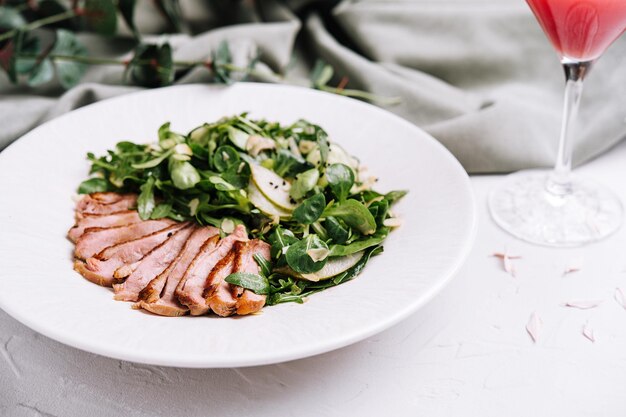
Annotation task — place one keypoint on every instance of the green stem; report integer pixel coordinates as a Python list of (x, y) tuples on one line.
[(361, 94), (39, 23)]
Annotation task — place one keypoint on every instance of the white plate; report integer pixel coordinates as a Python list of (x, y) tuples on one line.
[(40, 172)]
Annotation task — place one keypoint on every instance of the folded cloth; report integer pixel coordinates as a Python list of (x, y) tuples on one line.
[(480, 77)]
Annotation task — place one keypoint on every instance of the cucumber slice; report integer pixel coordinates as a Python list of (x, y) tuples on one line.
[(273, 187)]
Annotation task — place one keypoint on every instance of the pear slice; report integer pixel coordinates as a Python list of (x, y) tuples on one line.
[(264, 205), (272, 186), (334, 266)]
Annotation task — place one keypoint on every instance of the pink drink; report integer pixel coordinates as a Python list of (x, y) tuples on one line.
[(580, 30)]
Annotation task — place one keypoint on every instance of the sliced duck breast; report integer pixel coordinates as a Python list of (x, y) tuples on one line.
[(159, 296), (101, 268), (190, 291), (152, 265), (226, 299), (105, 203), (95, 240), (218, 293), (122, 218), (249, 302)]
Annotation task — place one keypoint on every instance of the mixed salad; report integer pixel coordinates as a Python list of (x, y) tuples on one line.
[(289, 185)]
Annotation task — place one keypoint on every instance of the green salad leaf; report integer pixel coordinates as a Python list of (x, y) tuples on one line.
[(289, 185)]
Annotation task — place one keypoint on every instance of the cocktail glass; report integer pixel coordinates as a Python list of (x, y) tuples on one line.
[(558, 208)]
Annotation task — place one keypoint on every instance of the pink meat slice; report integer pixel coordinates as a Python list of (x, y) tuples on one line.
[(101, 268), (105, 203), (95, 240), (226, 299), (190, 291), (152, 265), (122, 218), (218, 294), (159, 296), (249, 302)]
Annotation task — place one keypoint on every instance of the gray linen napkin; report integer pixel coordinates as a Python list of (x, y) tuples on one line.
[(479, 76)]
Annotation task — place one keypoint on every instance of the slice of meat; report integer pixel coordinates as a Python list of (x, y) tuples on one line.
[(95, 240), (122, 218), (249, 302), (152, 265), (218, 294), (226, 299), (190, 291), (105, 203), (100, 268), (159, 295)]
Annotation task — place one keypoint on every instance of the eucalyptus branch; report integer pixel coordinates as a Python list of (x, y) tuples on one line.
[(39, 23)]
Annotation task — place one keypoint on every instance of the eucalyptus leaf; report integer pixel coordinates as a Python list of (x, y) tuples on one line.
[(221, 58), (41, 74), (101, 16), (127, 10), (322, 73), (69, 72), (172, 12), (152, 65), (10, 19)]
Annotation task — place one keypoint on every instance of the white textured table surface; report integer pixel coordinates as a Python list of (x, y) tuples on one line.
[(467, 353)]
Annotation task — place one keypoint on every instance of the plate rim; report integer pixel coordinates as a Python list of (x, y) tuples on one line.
[(319, 348)]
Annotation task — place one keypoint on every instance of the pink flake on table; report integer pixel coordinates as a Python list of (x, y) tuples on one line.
[(620, 297), (507, 265), (570, 270), (533, 327), (583, 304), (588, 333)]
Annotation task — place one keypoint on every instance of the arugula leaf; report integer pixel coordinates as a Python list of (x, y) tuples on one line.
[(394, 196), (160, 211), (93, 185), (225, 157), (310, 210), (287, 165), (265, 266), (354, 214), (340, 179), (184, 175), (359, 245), (305, 182), (298, 255), (338, 232), (145, 201), (253, 282)]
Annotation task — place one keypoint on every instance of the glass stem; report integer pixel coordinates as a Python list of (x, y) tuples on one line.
[(559, 182)]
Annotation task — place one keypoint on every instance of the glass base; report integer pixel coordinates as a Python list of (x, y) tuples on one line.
[(524, 207)]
